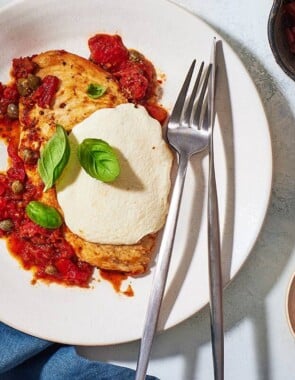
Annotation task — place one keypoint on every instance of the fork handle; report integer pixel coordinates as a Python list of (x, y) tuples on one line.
[(215, 275), (161, 271)]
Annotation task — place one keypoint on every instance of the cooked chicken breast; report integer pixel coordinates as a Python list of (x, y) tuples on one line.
[(70, 106), (71, 102)]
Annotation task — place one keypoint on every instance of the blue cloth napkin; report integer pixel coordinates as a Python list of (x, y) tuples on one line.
[(24, 357)]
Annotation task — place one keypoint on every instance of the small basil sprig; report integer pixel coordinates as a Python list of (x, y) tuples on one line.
[(98, 159), (95, 91), (54, 157), (44, 215)]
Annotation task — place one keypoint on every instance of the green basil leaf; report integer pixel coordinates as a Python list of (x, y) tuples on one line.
[(99, 160), (44, 215), (95, 91), (54, 157)]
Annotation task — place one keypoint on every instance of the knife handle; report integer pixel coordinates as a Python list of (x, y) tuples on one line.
[(215, 275)]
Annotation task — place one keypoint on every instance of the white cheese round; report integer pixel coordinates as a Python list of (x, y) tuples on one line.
[(136, 203)]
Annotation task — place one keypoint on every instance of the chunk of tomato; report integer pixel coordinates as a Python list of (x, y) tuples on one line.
[(157, 112), (23, 66), (133, 82), (108, 50), (45, 93)]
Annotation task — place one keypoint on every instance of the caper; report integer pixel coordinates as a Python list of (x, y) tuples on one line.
[(6, 225), (29, 156), (17, 186), (50, 269), (135, 56), (23, 87), (12, 111), (34, 81)]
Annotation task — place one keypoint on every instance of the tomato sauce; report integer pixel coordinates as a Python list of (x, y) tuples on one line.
[(41, 250), (136, 75), (45, 251), (117, 279)]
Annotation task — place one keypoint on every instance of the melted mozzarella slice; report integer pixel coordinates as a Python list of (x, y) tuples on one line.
[(136, 203)]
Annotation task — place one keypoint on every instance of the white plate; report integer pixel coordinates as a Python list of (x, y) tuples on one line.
[(171, 38)]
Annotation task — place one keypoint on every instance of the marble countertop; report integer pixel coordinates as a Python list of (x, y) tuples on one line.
[(258, 342)]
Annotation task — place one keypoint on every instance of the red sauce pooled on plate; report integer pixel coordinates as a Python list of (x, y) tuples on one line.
[(116, 279)]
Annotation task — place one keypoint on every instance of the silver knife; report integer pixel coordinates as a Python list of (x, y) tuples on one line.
[(214, 251)]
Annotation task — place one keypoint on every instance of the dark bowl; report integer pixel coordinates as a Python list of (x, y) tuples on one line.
[(277, 39), (290, 305)]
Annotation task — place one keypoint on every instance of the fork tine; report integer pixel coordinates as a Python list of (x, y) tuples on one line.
[(199, 108), (189, 108), (178, 107)]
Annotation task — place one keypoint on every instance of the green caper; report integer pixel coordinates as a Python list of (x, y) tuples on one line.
[(33, 81), (12, 111), (135, 56), (6, 225), (50, 269), (23, 87), (17, 187), (29, 156)]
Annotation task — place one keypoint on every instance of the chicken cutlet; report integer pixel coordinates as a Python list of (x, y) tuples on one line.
[(70, 106)]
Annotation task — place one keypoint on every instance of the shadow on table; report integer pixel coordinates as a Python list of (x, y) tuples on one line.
[(245, 297)]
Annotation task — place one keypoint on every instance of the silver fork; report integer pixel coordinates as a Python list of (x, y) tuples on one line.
[(188, 136)]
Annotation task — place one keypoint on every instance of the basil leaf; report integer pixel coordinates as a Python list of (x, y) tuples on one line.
[(44, 215), (98, 159), (95, 91), (54, 157)]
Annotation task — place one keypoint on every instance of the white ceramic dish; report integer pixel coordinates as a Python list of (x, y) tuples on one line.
[(170, 37)]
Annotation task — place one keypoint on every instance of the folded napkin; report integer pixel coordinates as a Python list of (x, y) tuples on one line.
[(24, 357)]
